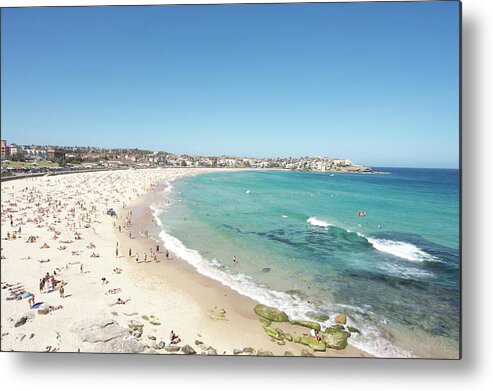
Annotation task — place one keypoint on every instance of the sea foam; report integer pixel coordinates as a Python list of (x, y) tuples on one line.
[(369, 340), (243, 284), (399, 249), (317, 222), (402, 250)]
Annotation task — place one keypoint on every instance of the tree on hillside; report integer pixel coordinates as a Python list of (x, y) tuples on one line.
[(18, 157)]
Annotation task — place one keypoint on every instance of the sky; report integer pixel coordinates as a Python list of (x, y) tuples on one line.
[(376, 83)]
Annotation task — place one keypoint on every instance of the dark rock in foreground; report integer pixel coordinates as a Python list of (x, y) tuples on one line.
[(187, 349), (264, 353), (107, 336)]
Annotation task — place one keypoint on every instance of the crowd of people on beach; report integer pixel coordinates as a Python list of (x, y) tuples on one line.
[(55, 216)]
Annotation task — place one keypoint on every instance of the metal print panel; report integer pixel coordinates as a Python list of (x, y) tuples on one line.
[(266, 180)]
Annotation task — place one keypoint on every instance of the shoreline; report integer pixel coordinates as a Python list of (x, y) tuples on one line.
[(163, 296), (211, 293)]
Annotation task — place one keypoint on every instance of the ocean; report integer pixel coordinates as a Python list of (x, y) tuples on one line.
[(303, 245)]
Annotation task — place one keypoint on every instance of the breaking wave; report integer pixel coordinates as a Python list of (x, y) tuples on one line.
[(399, 249)]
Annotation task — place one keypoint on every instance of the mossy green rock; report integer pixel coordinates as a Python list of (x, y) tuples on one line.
[(216, 314), (272, 332), (317, 346), (317, 317), (270, 313), (335, 330), (288, 336), (297, 339), (264, 322), (306, 323), (335, 339), (335, 327), (306, 353), (288, 353), (353, 330)]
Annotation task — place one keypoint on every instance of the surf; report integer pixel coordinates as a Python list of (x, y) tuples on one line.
[(403, 250)]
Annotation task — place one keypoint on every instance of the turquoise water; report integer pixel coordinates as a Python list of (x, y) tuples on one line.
[(301, 246)]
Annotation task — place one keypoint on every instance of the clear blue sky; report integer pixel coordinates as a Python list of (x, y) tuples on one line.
[(377, 83)]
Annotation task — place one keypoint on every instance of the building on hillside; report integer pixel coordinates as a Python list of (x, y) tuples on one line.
[(15, 149), (54, 154), (342, 162), (5, 149), (35, 152)]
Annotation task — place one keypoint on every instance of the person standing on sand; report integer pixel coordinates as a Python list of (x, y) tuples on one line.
[(145, 257), (137, 257), (81, 268), (167, 254), (157, 248), (130, 252), (62, 291), (116, 252)]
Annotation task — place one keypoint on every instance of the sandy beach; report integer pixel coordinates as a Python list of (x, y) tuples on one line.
[(100, 284)]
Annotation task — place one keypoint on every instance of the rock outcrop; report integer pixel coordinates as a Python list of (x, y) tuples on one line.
[(306, 323), (317, 346), (335, 338), (187, 349), (275, 333), (270, 313), (341, 319), (107, 336)]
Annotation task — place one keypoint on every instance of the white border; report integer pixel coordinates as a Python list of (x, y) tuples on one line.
[(474, 372)]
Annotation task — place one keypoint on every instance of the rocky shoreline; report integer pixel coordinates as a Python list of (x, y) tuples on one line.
[(333, 337)]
